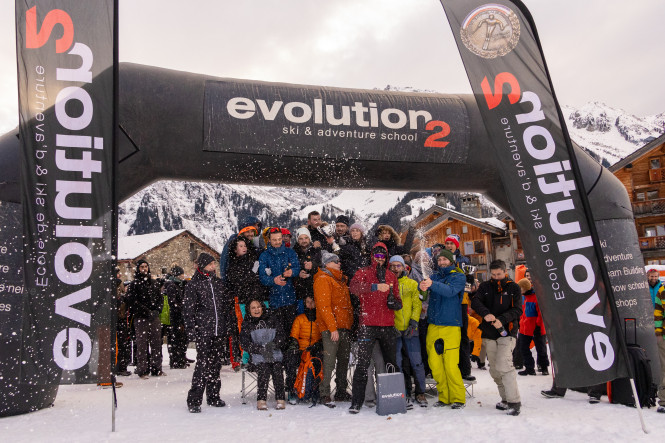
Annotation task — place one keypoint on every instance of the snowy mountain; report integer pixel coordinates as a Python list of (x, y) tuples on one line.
[(213, 211)]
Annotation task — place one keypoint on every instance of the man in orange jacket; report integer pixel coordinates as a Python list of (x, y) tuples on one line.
[(334, 318)]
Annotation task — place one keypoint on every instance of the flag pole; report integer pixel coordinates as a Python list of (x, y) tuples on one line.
[(639, 406)]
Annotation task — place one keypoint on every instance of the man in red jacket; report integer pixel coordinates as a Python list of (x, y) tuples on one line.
[(378, 291)]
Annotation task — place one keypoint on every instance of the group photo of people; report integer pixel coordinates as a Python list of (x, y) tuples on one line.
[(317, 315)]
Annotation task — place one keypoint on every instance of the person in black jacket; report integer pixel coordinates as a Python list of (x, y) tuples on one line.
[(174, 288), (262, 336), (499, 302), (310, 259), (206, 324), (242, 282), (145, 303)]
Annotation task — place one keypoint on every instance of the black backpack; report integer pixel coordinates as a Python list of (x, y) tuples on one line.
[(620, 390)]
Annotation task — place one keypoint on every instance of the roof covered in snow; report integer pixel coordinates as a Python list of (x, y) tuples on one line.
[(135, 245)]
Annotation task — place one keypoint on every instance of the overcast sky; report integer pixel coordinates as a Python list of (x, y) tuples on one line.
[(596, 50)]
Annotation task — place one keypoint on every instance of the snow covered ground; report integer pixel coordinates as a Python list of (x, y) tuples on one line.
[(155, 410)]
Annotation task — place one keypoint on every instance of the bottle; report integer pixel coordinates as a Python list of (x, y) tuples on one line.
[(502, 331)]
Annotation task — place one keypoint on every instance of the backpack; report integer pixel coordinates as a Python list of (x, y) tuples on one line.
[(307, 380), (620, 390)]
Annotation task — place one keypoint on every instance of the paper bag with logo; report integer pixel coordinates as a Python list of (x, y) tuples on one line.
[(390, 398)]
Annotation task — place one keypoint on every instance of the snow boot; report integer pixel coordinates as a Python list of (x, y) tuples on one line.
[(468, 377), (281, 404), (458, 405), (354, 409), (551, 394), (544, 371), (661, 409), (440, 404), (502, 405), (514, 409), (327, 401), (421, 400), (217, 403), (527, 371), (594, 400), (194, 409), (409, 404), (261, 405)]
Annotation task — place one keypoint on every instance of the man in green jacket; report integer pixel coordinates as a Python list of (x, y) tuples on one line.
[(406, 322)]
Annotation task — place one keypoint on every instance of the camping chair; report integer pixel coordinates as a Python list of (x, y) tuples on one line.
[(249, 382), (430, 387)]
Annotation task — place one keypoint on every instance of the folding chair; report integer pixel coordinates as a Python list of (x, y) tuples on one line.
[(430, 388), (249, 383)]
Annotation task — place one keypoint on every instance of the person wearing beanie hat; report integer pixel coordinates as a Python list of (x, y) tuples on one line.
[(343, 219), (498, 302), (355, 254), (406, 322), (327, 257), (335, 319), (206, 323), (145, 303), (452, 243), (249, 228), (174, 289), (532, 328), (303, 231), (342, 229), (444, 291), (378, 292)]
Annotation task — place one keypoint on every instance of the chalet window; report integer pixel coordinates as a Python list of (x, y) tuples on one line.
[(652, 195), (654, 163), (650, 231), (640, 196), (660, 230), (449, 231), (662, 262), (653, 262), (465, 229), (192, 251), (479, 246)]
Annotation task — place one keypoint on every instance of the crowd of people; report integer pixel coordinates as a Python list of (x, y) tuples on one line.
[(284, 304)]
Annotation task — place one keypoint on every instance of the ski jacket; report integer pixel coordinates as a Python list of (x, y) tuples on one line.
[(305, 286), (205, 307), (658, 312), (257, 332), (242, 280), (411, 303), (333, 302), (353, 256), (374, 303), (501, 298), (654, 290), (273, 262), (306, 331), (445, 297), (531, 316), (143, 296)]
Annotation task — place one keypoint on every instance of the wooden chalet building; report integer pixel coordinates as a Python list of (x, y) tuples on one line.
[(161, 250), (481, 239), (643, 175)]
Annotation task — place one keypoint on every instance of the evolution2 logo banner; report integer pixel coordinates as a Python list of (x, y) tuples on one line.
[(303, 121), (65, 61), (507, 72)]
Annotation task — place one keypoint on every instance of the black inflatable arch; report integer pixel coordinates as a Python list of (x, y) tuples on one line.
[(169, 128)]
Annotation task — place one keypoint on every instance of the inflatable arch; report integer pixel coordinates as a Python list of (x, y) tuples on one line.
[(177, 125)]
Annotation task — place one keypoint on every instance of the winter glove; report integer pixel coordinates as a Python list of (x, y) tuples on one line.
[(293, 345), (393, 303), (412, 329), (268, 352)]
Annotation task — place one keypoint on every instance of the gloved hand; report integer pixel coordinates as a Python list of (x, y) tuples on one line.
[(268, 352), (293, 345), (393, 303), (412, 329)]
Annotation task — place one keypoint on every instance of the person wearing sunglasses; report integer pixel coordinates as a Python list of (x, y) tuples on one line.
[(378, 291)]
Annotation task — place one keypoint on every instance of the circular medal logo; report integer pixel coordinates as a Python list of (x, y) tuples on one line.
[(491, 31)]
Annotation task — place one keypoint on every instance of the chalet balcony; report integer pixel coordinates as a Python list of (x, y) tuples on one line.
[(650, 243), (477, 260), (649, 207)]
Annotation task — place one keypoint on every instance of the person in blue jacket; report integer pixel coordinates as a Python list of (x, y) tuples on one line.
[(278, 266), (445, 289)]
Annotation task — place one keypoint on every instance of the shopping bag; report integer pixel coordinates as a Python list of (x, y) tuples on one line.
[(390, 398)]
